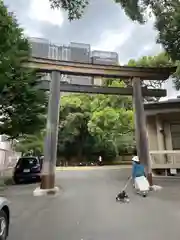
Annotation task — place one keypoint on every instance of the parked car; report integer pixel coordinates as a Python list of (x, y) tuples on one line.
[(4, 218), (27, 169)]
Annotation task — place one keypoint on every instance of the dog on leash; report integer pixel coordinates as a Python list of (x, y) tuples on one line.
[(122, 197)]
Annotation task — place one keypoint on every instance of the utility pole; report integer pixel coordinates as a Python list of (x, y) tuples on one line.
[(140, 128), (50, 145)]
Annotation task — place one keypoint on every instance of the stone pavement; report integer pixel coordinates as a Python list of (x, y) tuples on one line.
[(85, 209)]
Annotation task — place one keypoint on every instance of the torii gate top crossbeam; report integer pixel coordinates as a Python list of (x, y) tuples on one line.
[(86, 69)]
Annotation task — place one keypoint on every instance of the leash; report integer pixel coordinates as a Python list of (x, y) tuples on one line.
[(129, 178)]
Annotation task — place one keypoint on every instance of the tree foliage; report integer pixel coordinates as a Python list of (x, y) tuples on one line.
[(112, 116), (75, 8), (93, 125), (33, 144), (160, 60), (73, 131), (166, 14), (22, 105)]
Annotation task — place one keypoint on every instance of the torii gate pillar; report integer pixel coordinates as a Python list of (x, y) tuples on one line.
[(142, 143), (50, 147)]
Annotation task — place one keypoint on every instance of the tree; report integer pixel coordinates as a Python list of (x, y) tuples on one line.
[(160, 60), (111, 124), (112, 118), (31, 143), (73, 131), (22, 105), (167, 15)]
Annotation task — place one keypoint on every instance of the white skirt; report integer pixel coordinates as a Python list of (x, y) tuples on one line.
[(141, 184)]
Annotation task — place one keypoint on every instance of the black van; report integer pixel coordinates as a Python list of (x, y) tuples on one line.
[(27, 169)]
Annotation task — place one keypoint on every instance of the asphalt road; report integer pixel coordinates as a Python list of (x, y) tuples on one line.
[(85, 209)]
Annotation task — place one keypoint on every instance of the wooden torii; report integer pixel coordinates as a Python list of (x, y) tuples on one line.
[(135, 74)]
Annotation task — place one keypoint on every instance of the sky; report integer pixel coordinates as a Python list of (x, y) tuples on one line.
[(104, 25)]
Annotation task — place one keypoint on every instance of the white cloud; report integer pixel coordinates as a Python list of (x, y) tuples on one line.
[(146, 49), (32, 33), (40, 10), (171, 92), (111, 40)]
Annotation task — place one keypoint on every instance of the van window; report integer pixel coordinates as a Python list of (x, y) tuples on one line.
[(27, 162)]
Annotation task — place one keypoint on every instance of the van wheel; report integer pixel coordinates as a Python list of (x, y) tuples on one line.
[(3, 225)]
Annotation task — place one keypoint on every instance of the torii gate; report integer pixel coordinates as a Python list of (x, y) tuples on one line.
[(136, 74)]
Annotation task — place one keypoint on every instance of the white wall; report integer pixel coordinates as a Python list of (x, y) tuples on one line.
[(171, 91)]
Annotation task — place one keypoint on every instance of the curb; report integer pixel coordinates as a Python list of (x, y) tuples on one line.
[(92, 168), (166, 178)]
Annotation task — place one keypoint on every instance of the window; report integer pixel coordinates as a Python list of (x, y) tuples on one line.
[(27, 162)]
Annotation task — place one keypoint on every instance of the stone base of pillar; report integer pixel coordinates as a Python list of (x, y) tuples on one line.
[(44, 192), (47, 181), (47, 186), (155, 188)]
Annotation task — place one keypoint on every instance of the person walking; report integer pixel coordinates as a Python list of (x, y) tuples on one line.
[(100, 161), (138, 174)]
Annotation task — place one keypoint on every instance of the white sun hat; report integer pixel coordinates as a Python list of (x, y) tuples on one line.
[(135, 159)]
